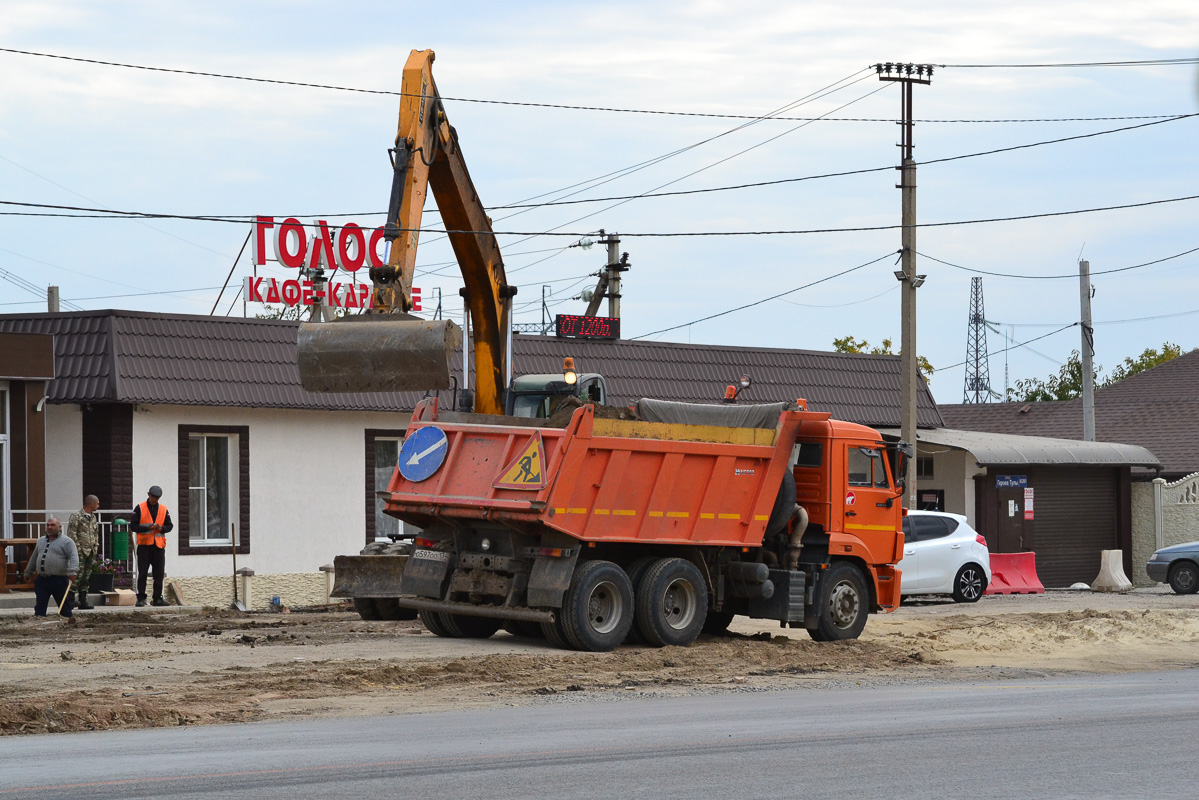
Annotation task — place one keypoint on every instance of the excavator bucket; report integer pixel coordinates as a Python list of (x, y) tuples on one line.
[(368, 576), (377, 354)]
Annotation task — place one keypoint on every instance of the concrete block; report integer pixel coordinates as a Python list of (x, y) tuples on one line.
[(1111, 573)]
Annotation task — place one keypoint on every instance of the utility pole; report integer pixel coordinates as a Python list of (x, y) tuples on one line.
[(609, 282), (1087, 350), (907, 75)]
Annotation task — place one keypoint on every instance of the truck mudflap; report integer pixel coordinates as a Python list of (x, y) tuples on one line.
[(472, 610), (368, 576), (887, 582)]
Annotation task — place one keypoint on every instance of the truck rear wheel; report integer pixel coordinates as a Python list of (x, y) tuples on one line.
[(365, 606), (843, 604), (436, 623), (389, 608), (464, 626), (636, 572), (672, 603), (597, 610), (519, 627)]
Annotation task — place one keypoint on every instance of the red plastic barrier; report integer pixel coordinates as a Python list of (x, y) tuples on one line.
[(1014, 573)]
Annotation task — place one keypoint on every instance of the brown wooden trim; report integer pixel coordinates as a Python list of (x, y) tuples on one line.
[(243, 468), (26, 356), (369, 448), (107, 459)]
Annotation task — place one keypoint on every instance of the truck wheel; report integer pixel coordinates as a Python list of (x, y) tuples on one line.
[(597, 610), (717, 622), (553, 633), (436, 623), (843, 604), (365, 606), (636, 572), (389, 608), (672, 603), (464, 626), (519, 627)]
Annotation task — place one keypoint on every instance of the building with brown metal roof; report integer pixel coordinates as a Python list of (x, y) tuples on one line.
[(211, 409)]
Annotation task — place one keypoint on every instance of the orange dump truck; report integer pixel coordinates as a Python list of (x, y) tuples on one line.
[(610, 530)]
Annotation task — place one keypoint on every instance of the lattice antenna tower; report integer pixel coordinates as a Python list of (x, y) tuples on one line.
[(978, 373)]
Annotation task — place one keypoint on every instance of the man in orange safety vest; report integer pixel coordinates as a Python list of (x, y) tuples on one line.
[(151, 523)]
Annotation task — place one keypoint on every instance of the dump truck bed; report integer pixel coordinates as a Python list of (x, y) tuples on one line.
[(600, 480)]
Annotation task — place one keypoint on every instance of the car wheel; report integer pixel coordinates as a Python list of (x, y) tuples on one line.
[(672, 603), (969, 584), (843, 604), (1184, 577)]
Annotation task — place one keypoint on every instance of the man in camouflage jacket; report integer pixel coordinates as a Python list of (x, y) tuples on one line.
[(83, 528)]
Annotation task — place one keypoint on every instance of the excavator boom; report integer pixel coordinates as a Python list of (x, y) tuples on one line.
[(391, 350)]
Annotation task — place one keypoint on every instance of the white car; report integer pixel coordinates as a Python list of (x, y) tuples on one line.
[(942, 554)]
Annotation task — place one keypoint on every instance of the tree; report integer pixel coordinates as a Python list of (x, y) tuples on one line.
[(1148, 359), (849, 344), (1065, 385)]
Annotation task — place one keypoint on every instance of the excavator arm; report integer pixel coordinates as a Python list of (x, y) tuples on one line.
[(393, 350)]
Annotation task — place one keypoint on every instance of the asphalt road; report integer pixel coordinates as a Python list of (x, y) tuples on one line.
[(1126, 735)]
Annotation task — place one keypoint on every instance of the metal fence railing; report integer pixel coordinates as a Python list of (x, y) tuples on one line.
[(30, 523)]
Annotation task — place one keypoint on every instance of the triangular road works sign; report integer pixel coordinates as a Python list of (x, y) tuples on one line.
[(527, 470)]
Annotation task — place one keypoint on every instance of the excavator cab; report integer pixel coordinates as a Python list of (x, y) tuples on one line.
[(539, 396)]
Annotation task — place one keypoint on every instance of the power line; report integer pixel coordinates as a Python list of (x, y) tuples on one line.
[(569, 107), (680, 234), (766, 299), (1153, 62), (644, 195), (847, 172), (1063, 275), (1013, 347)]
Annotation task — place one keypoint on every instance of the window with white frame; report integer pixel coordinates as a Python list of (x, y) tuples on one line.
[(213, 487)]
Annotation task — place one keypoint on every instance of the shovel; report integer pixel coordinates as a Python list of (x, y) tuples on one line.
[(65, 596), (238, 605)]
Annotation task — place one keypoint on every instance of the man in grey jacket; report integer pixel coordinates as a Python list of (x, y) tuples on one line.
[(55, 561)]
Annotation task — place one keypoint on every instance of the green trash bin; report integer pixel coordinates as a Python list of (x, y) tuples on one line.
[(120, 540)]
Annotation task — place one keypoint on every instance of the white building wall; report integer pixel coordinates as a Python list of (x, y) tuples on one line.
[(953, 471), (307, 472), (64, 458)]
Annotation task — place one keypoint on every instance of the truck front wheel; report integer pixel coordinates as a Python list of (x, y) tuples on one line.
[(597, 610), (843, 604), (672, 603)]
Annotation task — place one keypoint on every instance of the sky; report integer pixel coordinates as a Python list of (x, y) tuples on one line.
[(106, 137)]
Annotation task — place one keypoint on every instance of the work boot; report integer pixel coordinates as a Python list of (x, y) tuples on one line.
[(83, 604), (141, 602), (158, 601)]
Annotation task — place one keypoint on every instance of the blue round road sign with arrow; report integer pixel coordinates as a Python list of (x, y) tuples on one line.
[(423, 453)]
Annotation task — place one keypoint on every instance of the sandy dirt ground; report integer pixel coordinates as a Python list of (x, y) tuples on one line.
[(127, 670)]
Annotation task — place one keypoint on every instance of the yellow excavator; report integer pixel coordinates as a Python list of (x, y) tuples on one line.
[(388, 349)]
